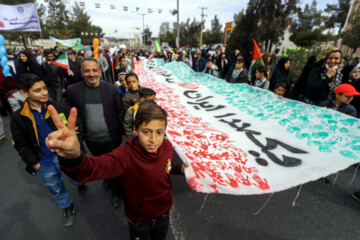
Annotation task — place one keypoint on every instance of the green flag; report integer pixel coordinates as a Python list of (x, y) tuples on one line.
[(158, 48)]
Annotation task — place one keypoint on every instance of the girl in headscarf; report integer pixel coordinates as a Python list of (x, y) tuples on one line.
[(28, 64), (281, 75)]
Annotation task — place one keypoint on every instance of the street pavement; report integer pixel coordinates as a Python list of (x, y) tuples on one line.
[(27, 210)]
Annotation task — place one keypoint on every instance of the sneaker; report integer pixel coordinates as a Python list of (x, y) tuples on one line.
[(356, 196), (69, 215), (82, 189), (116, 201)]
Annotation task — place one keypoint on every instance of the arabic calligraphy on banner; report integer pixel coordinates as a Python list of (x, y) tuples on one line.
[(243, 140)]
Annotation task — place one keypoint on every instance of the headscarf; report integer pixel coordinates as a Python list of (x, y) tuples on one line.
[(30, 66)]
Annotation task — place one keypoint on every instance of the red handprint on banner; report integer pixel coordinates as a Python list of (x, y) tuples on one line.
[(262, 184)]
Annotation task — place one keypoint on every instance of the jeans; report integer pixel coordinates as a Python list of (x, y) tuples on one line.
[(150, 230), (52, 178)]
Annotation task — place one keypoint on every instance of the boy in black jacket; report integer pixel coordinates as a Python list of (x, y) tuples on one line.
[(30, 126)]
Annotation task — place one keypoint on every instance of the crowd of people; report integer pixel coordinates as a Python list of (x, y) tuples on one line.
[(100, 103)]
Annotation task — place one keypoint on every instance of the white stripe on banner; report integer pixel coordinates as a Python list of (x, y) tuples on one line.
[(240, 139)]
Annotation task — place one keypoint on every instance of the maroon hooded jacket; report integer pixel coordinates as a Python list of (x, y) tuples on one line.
[(143, 176)]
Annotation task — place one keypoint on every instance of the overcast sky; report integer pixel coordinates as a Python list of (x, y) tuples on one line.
[(111, 19)]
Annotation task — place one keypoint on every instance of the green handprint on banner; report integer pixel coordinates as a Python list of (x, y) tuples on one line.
[(349, 121), (349, 154), (355, 147), (322, 135)]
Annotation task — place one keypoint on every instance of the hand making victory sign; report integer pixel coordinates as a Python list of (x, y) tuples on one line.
[(64, 141)]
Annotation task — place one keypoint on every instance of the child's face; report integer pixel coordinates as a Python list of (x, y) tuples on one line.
[(151, 135), (279, 91), (343, 99), (123, 82), (37, 93), (123, 62), (257, 74), (133, 83), (239, 65)]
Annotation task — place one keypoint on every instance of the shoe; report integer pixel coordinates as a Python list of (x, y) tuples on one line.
[(69, 215), (116, 201), (2, 140), (106, 186), (82, 189), (356, 196)]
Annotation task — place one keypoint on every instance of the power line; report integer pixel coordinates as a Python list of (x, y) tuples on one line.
[(202, 23)]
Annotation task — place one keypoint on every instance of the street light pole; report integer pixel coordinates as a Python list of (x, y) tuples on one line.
[(178, 25)]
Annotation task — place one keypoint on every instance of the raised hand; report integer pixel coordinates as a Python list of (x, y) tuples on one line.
[(64, 141)]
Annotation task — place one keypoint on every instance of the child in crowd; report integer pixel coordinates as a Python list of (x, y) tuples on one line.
[(280, 89), (129, 119), (238, 74), (30, 126), (261, 75), (211, 68), (344, 94), (141, 167), (13, 96), (187, 61), (132, 96), (121, 84)]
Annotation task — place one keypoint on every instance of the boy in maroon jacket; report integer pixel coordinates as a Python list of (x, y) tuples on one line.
[(142, 167)]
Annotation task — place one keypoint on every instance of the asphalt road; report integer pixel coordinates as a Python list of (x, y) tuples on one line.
[(27, 210)]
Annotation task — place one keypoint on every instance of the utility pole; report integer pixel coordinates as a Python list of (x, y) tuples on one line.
[(352, 3), (202, 24), (142, 14), (178, 26)]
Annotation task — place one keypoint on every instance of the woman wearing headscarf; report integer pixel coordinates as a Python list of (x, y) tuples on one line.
[(352, 76), (281, 75), (323, 80), (28, 64)]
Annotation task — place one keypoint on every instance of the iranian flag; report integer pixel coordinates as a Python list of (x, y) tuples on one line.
[(82, 4), (132, 57), (112, 7), (150, 10), (256, 58), (64, 1), (97, 5), (62, 61), (46, 0), (152, 55), (137, 9), (175, 56), (125, 8), (160, 10)]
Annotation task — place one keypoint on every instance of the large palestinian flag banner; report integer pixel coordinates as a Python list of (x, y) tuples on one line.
[(239, 139)]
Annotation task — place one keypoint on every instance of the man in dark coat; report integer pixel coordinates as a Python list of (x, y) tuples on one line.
[(100, 108)]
